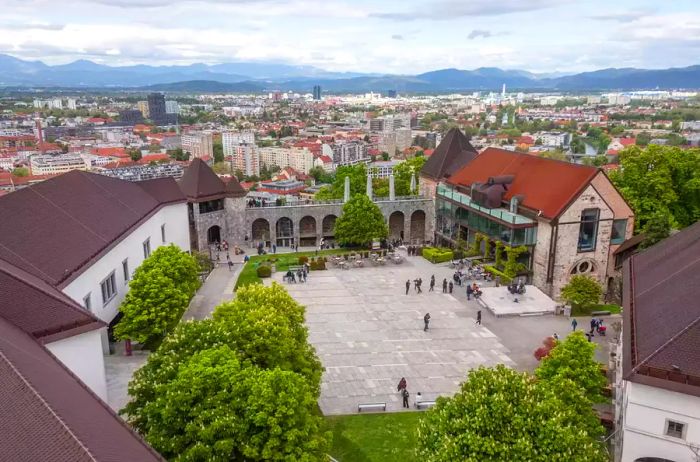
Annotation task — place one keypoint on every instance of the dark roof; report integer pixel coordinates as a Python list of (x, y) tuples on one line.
[(55, 228), (234, 188), (48, 414), (199, 183), (630, 244), (453, 153), (662, 314), (546, 185), (39, 309), (164, 190)]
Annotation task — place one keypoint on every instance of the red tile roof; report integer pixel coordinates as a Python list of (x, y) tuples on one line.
[(662, 314), (110, 152), (547, 185)]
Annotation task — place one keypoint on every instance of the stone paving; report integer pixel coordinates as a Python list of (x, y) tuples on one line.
[(369, 334)]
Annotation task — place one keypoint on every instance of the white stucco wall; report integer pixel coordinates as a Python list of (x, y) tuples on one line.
[(646, 410), (131, 247), (82, 354)]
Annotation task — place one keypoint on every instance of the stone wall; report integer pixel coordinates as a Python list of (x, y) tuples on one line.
[(540, 257)]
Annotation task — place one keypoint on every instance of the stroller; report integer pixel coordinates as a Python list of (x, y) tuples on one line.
[(600, 328)]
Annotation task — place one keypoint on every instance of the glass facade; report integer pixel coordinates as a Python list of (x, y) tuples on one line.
[(211, 206), (588, 230), (452, 220)]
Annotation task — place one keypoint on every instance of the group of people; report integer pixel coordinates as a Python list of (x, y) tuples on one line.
[(300, 275), (413, 250), (473, 290), (402, 388)]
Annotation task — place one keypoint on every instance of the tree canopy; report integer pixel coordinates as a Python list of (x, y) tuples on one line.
[(500, 414), (581, 291), (660, 179), (177, 265), (360, 223), (240, 386)]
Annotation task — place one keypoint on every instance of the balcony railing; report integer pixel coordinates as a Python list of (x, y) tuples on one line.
[(272, 204), (499, 213)]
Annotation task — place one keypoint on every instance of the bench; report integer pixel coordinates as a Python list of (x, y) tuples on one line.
[(371, 406), (424, 404), (600, 313)]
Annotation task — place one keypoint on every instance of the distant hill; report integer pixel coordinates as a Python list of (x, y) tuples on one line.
[(259, 76)]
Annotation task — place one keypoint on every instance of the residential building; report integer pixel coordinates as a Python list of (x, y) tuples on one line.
[(198, 144), (383, 169), (143, 108), (404, 139), (387, 143), (554, 139), (230, 139), (349, 153), (299, 159), (132, 116), (171, 107), (55, 164), (317, 93), (145, 172), (657, 392), (244, 157), (283, 187), (71, 104), (570, 217)]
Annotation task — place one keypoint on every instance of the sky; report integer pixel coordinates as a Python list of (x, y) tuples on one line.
[(385, 36)]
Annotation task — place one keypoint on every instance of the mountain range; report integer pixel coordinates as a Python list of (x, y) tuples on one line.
[(258, 77)]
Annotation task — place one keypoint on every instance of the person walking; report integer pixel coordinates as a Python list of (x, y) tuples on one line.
[(405, 395), (450, 286), (478, 317), (444, 286), (274, 248), (230, 265), (415, 285), (420, 283), (470, 291), (408, 285), (426, 320), (402, 384), (432, 283), (593, 326), (574, 323)]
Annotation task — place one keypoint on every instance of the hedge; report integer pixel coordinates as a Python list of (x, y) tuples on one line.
[(437, 254), (303, 259), (319, 264), (504, 278), (264, 271)]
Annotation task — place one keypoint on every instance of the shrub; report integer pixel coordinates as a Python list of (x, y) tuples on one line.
[(318, 265), (437, 254), (264, 271), (547, 344), (504, 278), (303, 259)]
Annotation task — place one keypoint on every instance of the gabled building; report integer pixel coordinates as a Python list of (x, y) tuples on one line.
[(570, 217), (453, 153), (216, 210), (657, 394)]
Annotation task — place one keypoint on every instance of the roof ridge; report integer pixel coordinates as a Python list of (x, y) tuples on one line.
[(90, 179), (23, 259), (41, 399), (69, 302), (666, 343)]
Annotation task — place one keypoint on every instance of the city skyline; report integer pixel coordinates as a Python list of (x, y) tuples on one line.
[(343, 36)]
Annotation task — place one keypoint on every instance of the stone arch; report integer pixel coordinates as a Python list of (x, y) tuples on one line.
[(418, 226), (328, 226), (307, 231), (396, 225), (260, 230), (214, 234), (585, 266), (284, 230)]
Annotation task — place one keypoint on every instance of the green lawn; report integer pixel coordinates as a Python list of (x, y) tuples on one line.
[(586, 311), (374, 437), (283, 261)]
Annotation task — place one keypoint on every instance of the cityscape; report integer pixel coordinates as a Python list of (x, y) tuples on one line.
[(339, 252)]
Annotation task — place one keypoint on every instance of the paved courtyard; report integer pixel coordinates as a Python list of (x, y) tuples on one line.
[(369, 334)]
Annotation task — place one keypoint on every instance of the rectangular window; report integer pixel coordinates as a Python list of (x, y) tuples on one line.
[(675, 429), (147, 248), (588, 230), (87, 302), (125, 269), (618, 231), (162, 233), (109, 288)]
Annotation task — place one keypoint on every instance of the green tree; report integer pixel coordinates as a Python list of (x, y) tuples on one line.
[(500, 414), (358, 182), (574, 359), (179, 154), (179, 266), (153, 305), (21, 171), (661, 179), (656, 229), (385, 156), (321, 176), (218, 149), (403, 172), (360, 223), (217, 409), (582, 291), (135, 154)]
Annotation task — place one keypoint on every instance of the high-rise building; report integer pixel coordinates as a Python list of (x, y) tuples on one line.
[(349, 153), (317, 92), (403, 138), (72, 105), (391, 94), (143, 107), (171, 107), (230, 139), (198, 144), (245, 157), (156, 107), (301, 160)]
